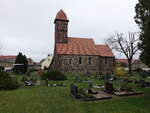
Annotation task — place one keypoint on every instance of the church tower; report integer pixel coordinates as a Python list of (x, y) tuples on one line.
[(61, 27)]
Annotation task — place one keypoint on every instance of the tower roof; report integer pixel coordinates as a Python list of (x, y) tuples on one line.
[(61, 15)]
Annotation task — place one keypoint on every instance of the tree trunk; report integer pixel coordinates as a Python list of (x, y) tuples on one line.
[(130, 66)]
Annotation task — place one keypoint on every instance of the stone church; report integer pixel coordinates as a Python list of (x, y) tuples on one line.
[(79, 55)]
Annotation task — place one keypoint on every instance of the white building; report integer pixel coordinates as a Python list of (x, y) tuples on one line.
[(45, 63)]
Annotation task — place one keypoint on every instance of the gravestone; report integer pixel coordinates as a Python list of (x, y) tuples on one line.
[(46, 82), (77, 79), (109, 87), (74, 90), (90, 84), (141, 83)]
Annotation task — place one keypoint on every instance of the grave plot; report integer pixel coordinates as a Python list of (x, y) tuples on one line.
[(125, 90), (96, 92), (127, 93), (88, 95), (143, 83), (100, 95)]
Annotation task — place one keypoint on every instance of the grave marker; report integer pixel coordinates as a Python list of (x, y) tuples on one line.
[(74, 90)]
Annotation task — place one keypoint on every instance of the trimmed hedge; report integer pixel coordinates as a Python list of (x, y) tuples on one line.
[(53, 75), (7, 82)]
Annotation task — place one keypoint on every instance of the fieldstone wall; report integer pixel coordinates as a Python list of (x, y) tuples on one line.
[(70, 64), (107, 67)]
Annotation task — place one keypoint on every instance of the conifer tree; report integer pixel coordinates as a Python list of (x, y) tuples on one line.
[(21, 64), (142, 18)]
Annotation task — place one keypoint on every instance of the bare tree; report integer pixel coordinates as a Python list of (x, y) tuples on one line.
[(127, 45)]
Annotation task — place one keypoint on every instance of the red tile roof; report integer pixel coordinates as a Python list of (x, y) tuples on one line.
[(82, 46), (77, 46), (125, 61), (61, 15), (104, 50), (7, 57)]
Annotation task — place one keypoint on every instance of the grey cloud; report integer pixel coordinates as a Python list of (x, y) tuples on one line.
[(27, 25)]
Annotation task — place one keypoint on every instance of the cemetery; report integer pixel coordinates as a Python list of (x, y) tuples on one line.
[(106, 91), (80, 92)]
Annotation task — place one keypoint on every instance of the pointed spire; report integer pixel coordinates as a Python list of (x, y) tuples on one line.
[(61, 15)]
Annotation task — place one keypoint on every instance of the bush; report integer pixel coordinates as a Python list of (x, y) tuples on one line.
[(33, 70), (125, 87), (54, 75), (1, 68), (7, 82), (120, 72)]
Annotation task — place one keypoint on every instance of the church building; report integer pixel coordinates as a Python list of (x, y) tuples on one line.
[(79, 55)]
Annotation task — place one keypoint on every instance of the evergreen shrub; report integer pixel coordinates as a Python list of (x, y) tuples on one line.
[(53, 75), (7, 82)]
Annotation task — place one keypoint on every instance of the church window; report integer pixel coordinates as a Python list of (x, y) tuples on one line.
[(90, 60), (70, 61), (80, 60), (106, 60)]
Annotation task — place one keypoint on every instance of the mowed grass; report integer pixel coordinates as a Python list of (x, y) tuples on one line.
[(42, 99)]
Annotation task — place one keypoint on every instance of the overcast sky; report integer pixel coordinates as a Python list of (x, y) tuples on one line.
[(27, 25)]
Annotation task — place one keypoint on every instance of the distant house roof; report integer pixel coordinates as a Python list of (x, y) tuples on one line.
[(30, 61), (83, 46), (3, 58), (8, 57), (125, 61), (41, 61), (136, 63)]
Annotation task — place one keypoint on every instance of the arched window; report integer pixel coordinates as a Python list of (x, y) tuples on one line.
[(70, 61), (90, 60), (106, 60), (80, 60)]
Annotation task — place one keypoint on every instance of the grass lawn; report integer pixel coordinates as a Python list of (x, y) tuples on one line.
[(42, 99)]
